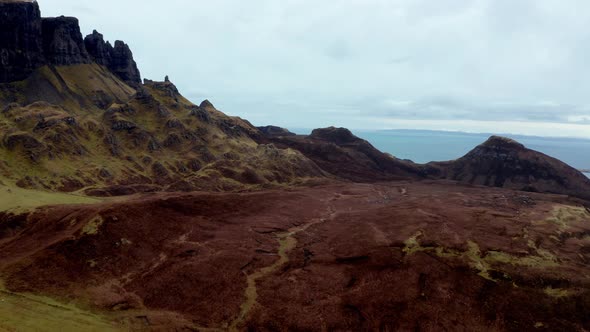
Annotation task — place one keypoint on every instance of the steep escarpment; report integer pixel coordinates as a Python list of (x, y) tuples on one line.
[(502, 162), (37, 56), (28, 42), (62, 41), (118, 59), (21, 41)]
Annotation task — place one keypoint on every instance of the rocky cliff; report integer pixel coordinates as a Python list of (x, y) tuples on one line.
[(118, 59), (100, 50), (21, 46), (28, 42), (62, 41)]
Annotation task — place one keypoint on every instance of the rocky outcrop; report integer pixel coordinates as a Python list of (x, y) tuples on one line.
[(336, 135), (21, 47), (118, 59), (100, 51), (275, 131), (207, 105), (28, 42), (166, 87), (503, 162), (62, 41), (123, 65)]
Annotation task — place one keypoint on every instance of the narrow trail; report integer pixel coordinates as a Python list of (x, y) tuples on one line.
[(287, 242)]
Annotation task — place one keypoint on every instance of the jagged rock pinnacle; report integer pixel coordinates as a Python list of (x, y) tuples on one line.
[(206, 104), (28, 41)]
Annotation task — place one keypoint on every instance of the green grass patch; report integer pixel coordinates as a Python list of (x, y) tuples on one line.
[(411, 245), (483, 263), (27, 312), (92, 227), (15, 199), (564, 215), (557, 292)]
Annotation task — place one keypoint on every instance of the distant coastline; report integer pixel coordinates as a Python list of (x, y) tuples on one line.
[(423, 146), (307, 131), (468, 133)]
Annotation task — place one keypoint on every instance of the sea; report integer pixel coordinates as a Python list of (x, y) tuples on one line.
[(422, 146)]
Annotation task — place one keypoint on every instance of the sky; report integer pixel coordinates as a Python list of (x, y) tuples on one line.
[(495, 66)]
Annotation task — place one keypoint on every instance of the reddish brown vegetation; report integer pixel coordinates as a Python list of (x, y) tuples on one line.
[(397, 256)]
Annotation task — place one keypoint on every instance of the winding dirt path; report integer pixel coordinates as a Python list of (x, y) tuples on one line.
[(287, 242)]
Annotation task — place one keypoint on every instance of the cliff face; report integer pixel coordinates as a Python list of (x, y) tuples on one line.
[(123, 65), (28, 41), (20, 40), (62, 41), (100, 51), (118, 59)]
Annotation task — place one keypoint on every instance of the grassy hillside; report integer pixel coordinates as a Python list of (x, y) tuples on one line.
[(80, 128), (25, 312)]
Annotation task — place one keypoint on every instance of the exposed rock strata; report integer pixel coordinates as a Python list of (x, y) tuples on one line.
[(62, 41), (21, 46), (118, 59), (28, 41)]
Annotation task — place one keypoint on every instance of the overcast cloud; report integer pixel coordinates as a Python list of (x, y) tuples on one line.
[(517, 66)]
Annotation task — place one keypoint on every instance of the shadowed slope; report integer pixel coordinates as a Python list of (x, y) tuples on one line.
[(340, 153), (78, 88), (502, 162)]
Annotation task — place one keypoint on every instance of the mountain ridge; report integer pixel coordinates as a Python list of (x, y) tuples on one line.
[(82, 99)]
